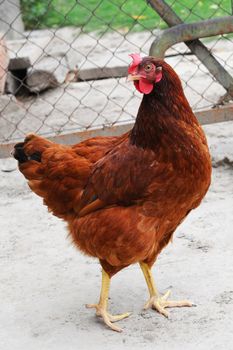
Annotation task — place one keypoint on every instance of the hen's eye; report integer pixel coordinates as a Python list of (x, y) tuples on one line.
[(148, 67)]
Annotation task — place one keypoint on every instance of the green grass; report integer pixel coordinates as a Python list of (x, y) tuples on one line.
[(103, 15)]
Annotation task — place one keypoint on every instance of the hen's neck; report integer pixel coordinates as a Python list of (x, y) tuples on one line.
[(158, 115)]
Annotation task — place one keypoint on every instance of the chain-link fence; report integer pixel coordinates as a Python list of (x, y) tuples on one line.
[(66, 71)]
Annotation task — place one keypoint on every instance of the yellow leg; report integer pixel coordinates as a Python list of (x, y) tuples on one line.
[(101, 307), (156, 301)]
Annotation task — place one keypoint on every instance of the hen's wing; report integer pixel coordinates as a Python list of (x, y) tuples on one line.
[(125, 176), (59, 173)]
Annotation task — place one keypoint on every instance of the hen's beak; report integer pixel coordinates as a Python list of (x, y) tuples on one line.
[(133, 77)]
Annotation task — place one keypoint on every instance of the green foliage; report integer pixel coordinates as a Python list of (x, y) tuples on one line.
[(114, 14), (33, 12)]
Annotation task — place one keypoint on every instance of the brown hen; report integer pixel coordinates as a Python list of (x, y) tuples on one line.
[(123, 197)]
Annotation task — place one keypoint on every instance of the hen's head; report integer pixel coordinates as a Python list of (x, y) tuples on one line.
[(145, 72)]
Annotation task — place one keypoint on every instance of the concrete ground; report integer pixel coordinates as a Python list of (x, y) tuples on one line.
[(45, 281)]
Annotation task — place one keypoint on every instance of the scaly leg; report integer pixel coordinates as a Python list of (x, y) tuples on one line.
[(101, 308), (156, 301)]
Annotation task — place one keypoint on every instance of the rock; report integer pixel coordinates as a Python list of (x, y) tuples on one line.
[(41, 80), (8, 165)]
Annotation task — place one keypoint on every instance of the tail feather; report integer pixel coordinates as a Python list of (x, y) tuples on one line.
[(59, 173), (31, 149), (29, 155), (19, 153), (54, 172)]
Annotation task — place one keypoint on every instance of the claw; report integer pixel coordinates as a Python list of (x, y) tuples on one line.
[(108, 318), (115, 318), (160, 303), (166, 295)]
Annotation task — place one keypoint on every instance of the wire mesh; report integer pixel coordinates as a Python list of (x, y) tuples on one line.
[(66, 38)]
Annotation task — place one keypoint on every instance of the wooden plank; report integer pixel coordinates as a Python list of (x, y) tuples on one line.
[(102, 73), (215, 115), (210, 116)]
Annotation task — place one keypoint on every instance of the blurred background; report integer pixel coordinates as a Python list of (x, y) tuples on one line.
[(63, 63)]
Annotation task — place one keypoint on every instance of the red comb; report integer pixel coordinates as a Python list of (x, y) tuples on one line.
[(136, 61)]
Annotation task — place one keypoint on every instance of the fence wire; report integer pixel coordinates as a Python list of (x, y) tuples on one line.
[(49, 97)]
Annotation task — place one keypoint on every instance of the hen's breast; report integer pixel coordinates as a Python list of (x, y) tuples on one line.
[(184, 179)]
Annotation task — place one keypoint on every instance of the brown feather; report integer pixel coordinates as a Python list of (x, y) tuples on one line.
[(93, 206)]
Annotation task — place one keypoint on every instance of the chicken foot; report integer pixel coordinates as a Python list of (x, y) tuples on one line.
[(157, 302), (101, 307)]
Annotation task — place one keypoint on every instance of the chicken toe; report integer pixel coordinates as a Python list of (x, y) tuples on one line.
[(160, 303), (108, 318)]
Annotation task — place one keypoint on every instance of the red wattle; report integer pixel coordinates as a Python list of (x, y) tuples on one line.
[(143, 86)]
